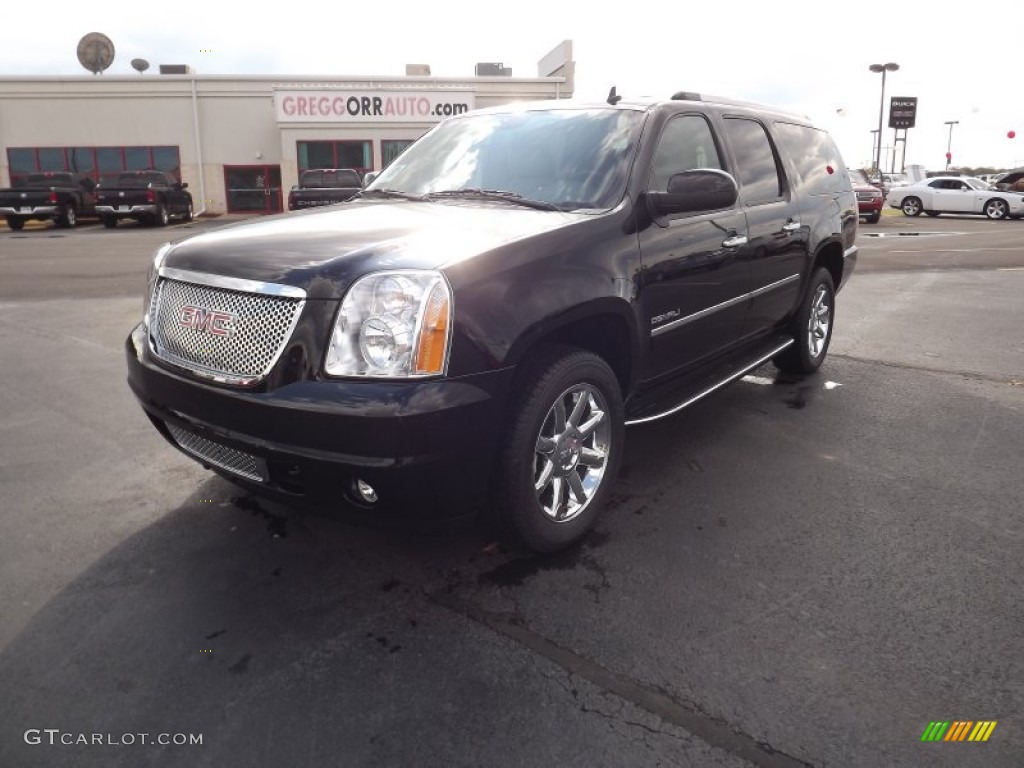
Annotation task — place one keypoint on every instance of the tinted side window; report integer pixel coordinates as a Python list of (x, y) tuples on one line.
[(813, 153), (756, 167), (686, 143)]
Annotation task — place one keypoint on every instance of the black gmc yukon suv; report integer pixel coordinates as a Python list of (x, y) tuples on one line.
[(474, 331)]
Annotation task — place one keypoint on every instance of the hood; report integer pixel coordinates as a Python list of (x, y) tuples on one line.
[(323, 251)]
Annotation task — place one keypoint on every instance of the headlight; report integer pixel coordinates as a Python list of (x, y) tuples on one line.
[(393, 325), (154, 270)]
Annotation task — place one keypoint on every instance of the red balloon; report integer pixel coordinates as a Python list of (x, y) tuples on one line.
[(949, 155), (1011, 134)]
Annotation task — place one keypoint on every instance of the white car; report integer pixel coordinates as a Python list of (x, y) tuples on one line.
[(956, 194)]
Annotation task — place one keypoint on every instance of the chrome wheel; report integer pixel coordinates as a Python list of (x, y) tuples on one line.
[(996, 209), (571, 452), (819, 321), (70, 219), (911, 206)]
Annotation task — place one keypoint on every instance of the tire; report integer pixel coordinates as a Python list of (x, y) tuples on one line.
[(996, 208), (911, 206), (160, 218), (544, 446), (189, 215), (932, 213), (812, 327), (67, 217), (873, 218), (109, 222), (15, 223)]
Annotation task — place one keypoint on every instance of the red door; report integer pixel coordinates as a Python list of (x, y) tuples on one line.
[(253, 188)]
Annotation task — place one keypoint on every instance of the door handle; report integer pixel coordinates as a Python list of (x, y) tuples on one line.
[(791, 226), (735, 241)]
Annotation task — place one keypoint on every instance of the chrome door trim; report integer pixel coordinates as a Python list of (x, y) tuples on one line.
[(724, 305), (727, 380)]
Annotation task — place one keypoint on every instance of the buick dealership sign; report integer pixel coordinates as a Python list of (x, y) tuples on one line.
[(902, 111), (335, 106)]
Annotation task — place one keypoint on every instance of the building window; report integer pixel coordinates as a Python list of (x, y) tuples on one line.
[(391, 149), (101, 164), (357, 155)]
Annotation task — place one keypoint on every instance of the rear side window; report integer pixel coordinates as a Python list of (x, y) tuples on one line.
[(816, 157), (686, 144), (757, 169)]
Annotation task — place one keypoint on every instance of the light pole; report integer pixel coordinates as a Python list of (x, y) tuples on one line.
[(883, 68), (949, 144)]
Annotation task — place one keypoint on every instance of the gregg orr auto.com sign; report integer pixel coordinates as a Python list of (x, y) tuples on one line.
[(333, 106)]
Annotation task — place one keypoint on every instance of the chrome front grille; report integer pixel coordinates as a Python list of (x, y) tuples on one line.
[(231, 459), (229, 330)]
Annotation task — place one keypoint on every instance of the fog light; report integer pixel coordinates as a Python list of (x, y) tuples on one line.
[(366, 492)]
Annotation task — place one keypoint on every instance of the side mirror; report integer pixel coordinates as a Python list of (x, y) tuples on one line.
[(185, 185), (704, 189), (368, 179)]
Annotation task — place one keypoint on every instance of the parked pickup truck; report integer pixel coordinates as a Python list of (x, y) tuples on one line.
[(56, 195), (324, 186), (149, 197)]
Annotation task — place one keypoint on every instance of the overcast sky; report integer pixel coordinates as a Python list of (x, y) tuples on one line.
[(810, 57)]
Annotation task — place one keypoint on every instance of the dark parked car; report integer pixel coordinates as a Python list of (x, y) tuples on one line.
[(1012, 181), (150, 197), (475, 331), (60, 196), (324, 186), (869, 197)]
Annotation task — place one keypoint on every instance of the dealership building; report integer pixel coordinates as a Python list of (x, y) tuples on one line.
[(240, 142)]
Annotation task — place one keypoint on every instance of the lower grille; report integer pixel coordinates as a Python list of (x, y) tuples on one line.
[(231, 459)]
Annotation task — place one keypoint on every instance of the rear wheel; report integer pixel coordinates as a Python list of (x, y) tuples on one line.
[(160, 218), (67, 217), (15, 223), (188, 213), (561, 451), (996, 208), (812, 327), (932, 213), (911, 206), (109, 222)]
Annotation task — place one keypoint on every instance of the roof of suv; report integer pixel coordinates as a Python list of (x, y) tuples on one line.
[(643, 103)]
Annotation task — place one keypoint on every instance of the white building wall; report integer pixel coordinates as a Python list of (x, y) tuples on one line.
[(236, 115)]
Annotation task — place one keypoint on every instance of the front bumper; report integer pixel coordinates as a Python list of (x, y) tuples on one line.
[(426, 447), (126, 210)]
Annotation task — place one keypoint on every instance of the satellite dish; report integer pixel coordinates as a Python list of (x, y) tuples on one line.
[(95, 52), (140, 65)]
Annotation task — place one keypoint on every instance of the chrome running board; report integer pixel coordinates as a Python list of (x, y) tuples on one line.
[(727, 380)]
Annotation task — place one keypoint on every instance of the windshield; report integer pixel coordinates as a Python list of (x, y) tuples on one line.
[(48, 179), (858, 176), (330, 178), (977, 183), (574, 159)]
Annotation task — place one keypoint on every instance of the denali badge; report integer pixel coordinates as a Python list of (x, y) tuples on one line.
[(209, 320)]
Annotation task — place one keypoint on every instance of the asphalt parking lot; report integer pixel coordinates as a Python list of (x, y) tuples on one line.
[(794, 572)]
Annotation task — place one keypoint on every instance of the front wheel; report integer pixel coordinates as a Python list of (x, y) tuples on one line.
[(812, 327), (996, 208), (873, 218), (561, 451), (15, 223), (911, 206), (189, 214)]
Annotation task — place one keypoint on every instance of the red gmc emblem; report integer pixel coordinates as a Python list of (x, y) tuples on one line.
[(208, 320)]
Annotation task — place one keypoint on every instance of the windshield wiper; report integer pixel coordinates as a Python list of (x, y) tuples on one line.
[(495, 194), (389, 193)]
